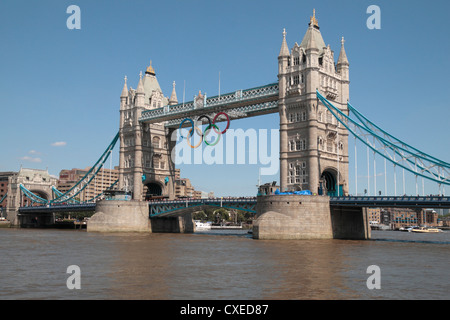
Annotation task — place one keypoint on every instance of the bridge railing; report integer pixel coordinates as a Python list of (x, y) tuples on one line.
[(194, 201), (391, 198), (59, 207), (228, 98)]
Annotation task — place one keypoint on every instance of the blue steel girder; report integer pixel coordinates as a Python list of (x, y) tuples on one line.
[(433, 202), (239, 104), (166, 207), (59, 208)]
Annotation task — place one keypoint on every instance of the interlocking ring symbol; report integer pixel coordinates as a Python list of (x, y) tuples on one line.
[(207, 129)]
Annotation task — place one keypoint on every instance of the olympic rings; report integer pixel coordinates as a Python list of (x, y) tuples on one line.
[(198, 144), (181, 124), (228, 124), (205, 116), (207, 130), (217, 139)]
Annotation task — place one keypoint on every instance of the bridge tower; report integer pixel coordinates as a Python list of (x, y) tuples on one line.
[(313, 145), (145, 168), (39, 182)]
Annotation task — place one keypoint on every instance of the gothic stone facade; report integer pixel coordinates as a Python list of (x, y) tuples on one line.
[(145, 168), (313, 144)]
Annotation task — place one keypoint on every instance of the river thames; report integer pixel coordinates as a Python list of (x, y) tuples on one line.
[(220, 265)]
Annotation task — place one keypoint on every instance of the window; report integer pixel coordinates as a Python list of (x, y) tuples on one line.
[(147, 162), (304, 144), (296, 80), (296, 61), (304, 116), (298, 145), (155, 142)]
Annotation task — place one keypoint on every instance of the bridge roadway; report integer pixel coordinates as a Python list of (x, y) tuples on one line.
[(169, 207)]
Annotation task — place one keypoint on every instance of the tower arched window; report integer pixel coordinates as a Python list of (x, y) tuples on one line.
[(155, 142), (292, 145)]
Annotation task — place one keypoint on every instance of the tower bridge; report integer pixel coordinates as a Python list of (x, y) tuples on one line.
[(315, 122), (313, 145)]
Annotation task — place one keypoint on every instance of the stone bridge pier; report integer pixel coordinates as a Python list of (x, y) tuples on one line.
[(133, 216), (307, 217)]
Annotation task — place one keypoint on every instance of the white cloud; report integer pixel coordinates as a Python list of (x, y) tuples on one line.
[(34, 152), (31, 159), (59, 144)]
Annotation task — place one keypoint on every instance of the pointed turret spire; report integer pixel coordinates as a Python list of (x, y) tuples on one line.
[(284, 52), (150, 69), (140, 87), (173, 98), (313, 39), (311, 43), (125, 89), (313, 21), (342, 55)]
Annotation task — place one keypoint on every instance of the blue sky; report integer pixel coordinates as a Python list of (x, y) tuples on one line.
[(60, 88)]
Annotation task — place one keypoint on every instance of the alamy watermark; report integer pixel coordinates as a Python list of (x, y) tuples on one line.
[(74, 280), (374, 21), (374, 280), (74, 20), (240, 146)]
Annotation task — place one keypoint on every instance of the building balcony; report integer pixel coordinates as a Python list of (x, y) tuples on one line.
[(296, 89), (330, 92)]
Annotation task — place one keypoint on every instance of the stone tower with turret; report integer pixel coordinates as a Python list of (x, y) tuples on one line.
[(313, 145), (145, 166)]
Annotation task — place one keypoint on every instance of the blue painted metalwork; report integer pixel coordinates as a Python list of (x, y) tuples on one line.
[(171, 206), (249, 100), (3, 198), (431, 169), (90, 200), (34, 198), (76, 189), (59, 193), (390, 201), (86, 180), (403, 144), (59, 208)]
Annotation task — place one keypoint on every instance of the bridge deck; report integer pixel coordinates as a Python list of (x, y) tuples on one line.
[(392, 201), (249, 204), (239, 104)]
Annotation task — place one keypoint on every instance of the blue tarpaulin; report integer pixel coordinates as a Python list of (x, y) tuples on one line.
[(303, 192)]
